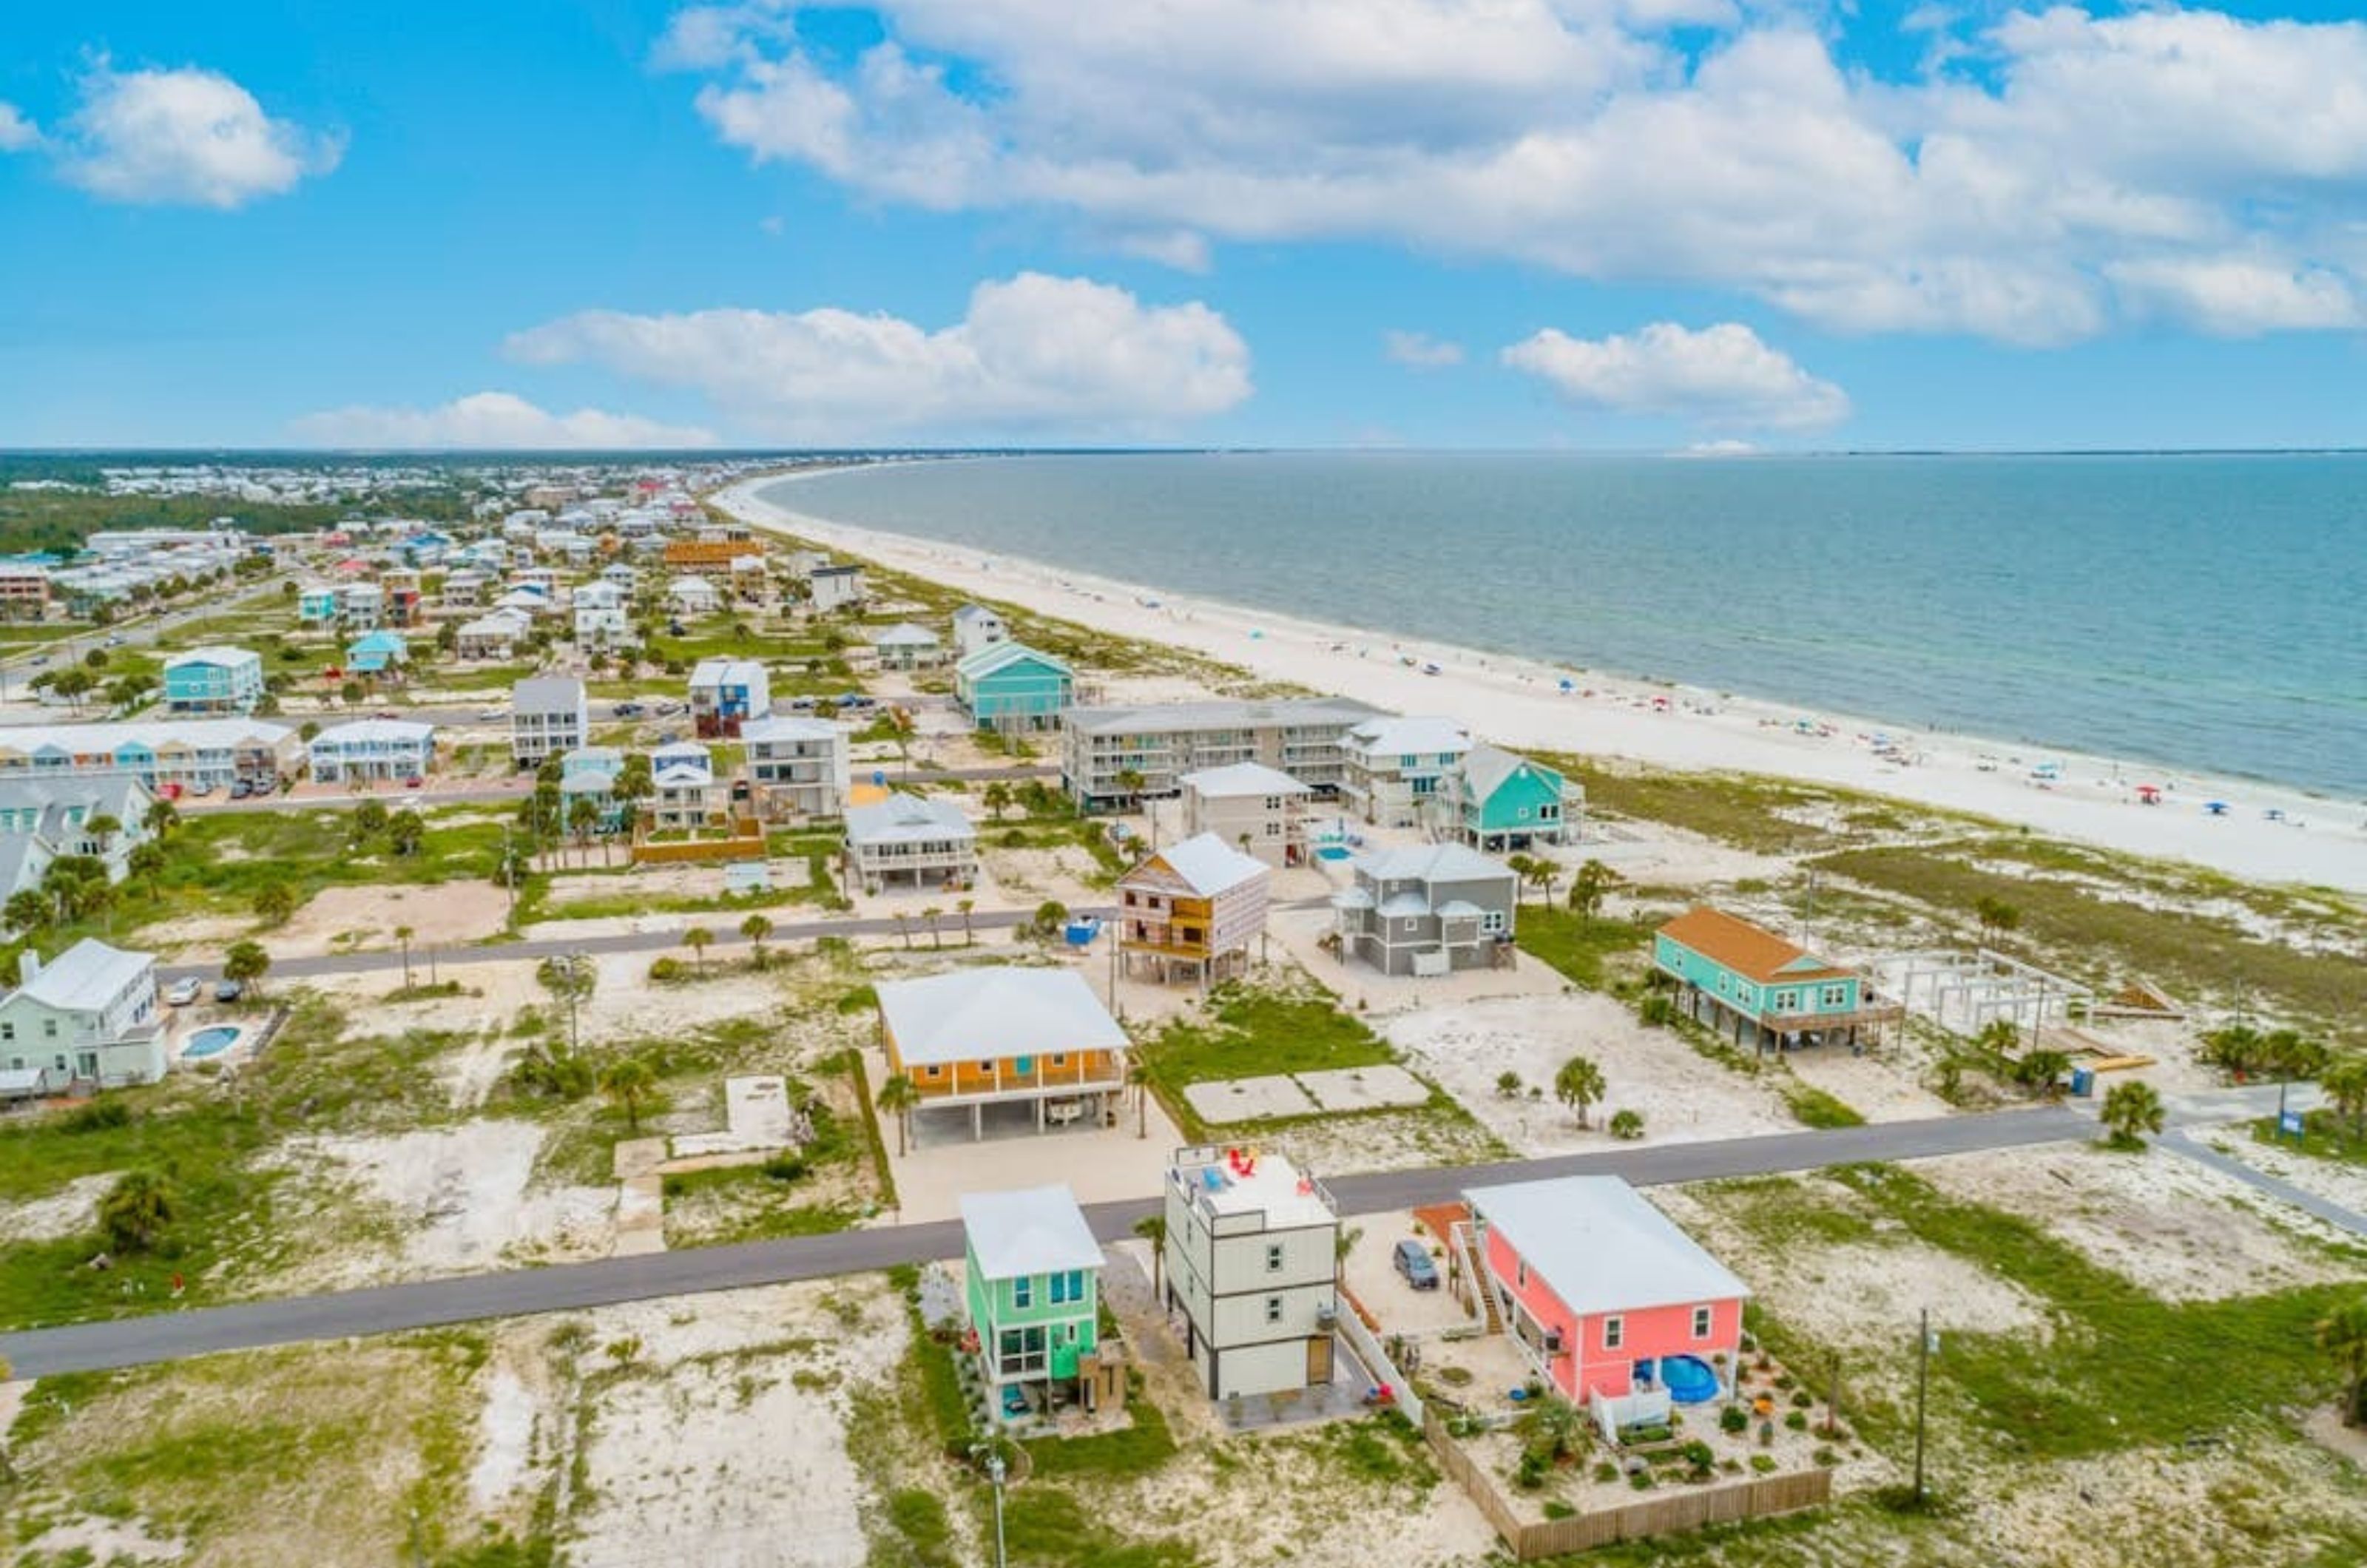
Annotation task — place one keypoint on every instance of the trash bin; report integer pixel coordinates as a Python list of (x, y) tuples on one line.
[(2083, 1082)]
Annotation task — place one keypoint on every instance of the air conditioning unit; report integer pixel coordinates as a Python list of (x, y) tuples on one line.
[(1326, 1314), (1553, 1342)]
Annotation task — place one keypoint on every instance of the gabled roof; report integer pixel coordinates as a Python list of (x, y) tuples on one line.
[(1432, 863), (906, 817), (87, 975), (769, 730), (1487, 768), (998, 656), (396, 729), (726, 672), (984, 1014), (1207, 865), (1753, 951), (215, 653), (969, 613), (904, 634), (683, 754), (1239, 780), (1034, 1230), (547, 694), (1601, 1248), (1229, 713)]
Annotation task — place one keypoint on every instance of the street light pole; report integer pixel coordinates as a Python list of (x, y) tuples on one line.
[(1922, 1385)]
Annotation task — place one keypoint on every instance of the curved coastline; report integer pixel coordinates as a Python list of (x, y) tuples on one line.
[(1518, 702)]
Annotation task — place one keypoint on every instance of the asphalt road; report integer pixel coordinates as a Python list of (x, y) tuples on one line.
[(515, 789), (173, 1335), (727, 934)]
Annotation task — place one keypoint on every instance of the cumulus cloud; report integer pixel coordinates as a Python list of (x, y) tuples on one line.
[(1032, 353), (184, 136), (1420, 350), (493, 420), (2006, 184), (2240, 296), (16, 132), (1723, 377)]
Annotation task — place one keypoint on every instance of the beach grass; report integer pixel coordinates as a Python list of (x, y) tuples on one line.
[(1595, 951)]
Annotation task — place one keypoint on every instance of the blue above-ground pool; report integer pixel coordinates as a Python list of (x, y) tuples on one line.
[(1688, 1378), (210, 1041), (1331, 852)]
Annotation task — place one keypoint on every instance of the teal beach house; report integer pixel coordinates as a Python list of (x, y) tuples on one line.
[(1010, 686), (1756, 986), (1505, 802), (1033, 1280)]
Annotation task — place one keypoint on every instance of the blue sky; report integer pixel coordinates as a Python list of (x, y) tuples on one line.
[(1602, 223)]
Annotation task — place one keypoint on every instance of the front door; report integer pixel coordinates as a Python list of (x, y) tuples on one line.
[(1319, 1360)]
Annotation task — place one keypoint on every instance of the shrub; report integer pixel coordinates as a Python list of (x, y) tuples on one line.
[(1555, 1508), (1530, 1474), (1802, 1399), (1642, 1480), (1734, 1418), (1698, 1455), (98, 1116), (785, 1168), (1826, 1457), (664, 971), (1656, 1012), (1627, 1125), (1795, 1421), (1762, 1464), (1605, 1471)]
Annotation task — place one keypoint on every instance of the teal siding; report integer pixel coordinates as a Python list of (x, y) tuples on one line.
[(1061, 1332), (1777, 1002), (1528, 801), (1026, 688)]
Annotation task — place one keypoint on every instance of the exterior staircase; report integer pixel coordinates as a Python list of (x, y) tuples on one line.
[(1475, 1269)]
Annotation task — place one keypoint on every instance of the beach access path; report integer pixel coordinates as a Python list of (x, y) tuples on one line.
[(173, 1335), (1520, 704)]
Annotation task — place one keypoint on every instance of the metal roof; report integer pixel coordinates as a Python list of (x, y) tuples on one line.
[(1031, 1230), (903, 816), (985, 1014), (1208, 865), (1601, 1248), (86, 977), (1240, 780)]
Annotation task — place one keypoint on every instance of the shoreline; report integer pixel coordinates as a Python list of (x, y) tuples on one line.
[(1520, 703)]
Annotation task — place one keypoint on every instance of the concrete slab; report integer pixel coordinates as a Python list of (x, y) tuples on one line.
[(756, 1116), (1365, 1088), (1249, 1100)]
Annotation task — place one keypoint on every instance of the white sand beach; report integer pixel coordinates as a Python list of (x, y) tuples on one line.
[(2264, 835)]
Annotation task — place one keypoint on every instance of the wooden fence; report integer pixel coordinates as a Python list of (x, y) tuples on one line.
[(1691, 1509), (746, 843)]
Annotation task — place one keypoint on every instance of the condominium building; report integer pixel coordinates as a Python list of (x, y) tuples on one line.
[(190, 755), (213, 680), (1159, 744)]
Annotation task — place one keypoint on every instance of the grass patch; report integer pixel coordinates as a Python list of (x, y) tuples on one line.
[(2122, 1368), (1135, 1451), (1585, 951), (1742, 809), (1047, 1527), (1813, 1106), (2183, 949), (2325, 1135), (1248, 1032)]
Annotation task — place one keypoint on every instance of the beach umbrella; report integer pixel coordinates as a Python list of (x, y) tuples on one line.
[(2216, 807)]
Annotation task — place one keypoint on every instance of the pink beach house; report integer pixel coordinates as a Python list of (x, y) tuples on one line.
[(1617, 1307)]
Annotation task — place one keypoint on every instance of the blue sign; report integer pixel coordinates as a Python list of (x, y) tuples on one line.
[(2289, 1122)]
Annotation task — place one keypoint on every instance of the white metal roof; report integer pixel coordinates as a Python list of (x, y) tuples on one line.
[(391, 729), (1601, 1247), (768, 731), (1485, 769), (86, 977), (906, 817), (1432, 863), (1243, 779), (1210, 867), (213, 653), (905, 634), (985, 1014), (1416, 734), (1031, 1230)]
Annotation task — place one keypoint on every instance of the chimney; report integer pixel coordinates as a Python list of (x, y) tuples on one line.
[(28, 966)]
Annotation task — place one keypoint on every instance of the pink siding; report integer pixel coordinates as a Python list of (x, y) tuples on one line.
[(1585, 1367)]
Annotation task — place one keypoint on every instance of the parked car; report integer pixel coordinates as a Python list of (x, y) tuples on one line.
[(1412, 1260), (388, 712), (202, 788), (229, 991), (114, 640), (413, 782), (40, 659), (628, 710), (239, 789), (488, 715), (664, 708), (183, 993)]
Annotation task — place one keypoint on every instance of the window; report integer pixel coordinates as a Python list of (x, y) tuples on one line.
[(7, 1032), (1274, 1257), (1835, 997), (1023, 1291), (934, 1071), (1060, 1060), (49, 1029), (1521, 1273), (1614, 1332), (1273, 1309), (1701, 1321), (1493, 922)]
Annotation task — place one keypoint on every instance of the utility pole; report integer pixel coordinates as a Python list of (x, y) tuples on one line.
[(1922, 1386)]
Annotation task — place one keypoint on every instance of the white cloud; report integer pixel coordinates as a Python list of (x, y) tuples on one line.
[(1185, 250), (1420, 351), (1722, 376), (2240, 296), (2006, 186), (493, 420), (16, 132), (1032, 353), (184, 136)]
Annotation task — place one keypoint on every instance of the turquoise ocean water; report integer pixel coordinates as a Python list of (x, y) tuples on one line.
[(2203, 611)]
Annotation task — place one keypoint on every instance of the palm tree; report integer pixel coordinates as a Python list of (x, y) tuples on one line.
[(756, 928), (897, 1098), (998, 798), (2342, 1334), (136, 1210), (583, 817), (696, 938), (403, 935), (1544, 872), (929, 918), (1525, 868), (274, 903), (26, 909), (1344, 1242), (2042, 1070), (627, 1084), (904, 927), (2131, 1110), (1589, 886), (246, 963), (2344, 1083), (405, 830), (161, 818), (1131, 784), (966, 906), (1152, 1228), (1577, 1085), (103, 828)]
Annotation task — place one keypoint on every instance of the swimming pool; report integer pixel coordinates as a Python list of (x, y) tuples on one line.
[(212, 1041), (1688, 1378), (1331, 852)]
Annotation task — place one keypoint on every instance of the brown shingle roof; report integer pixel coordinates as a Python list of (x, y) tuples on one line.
[(1749, 950)]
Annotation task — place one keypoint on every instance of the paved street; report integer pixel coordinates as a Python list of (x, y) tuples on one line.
[(441, 791), (727, 934), (171, 1335)]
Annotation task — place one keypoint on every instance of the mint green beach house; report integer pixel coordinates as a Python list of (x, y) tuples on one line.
[(1033, 1283), (1009, 686), (1504, 802)]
